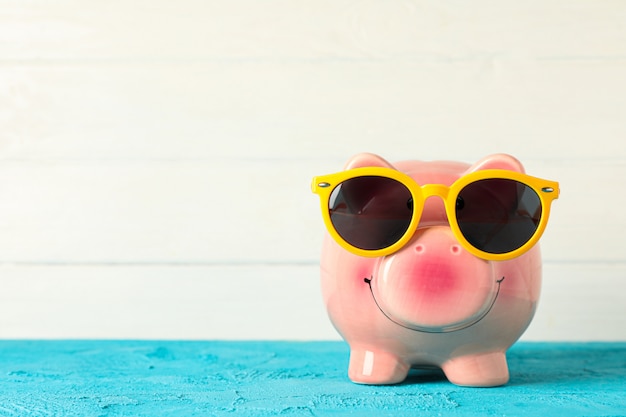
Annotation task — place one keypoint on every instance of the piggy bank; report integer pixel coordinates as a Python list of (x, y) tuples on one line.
[(432, 264)]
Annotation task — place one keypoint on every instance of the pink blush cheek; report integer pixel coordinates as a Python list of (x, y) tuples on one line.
[(435, 292), (428, 288)]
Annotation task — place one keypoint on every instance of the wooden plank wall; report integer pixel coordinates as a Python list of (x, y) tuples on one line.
[(155, 156)]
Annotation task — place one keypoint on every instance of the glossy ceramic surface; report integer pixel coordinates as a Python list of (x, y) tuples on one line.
[(431, 303)]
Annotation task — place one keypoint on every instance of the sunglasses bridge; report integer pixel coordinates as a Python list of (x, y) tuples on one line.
[(426, 192), (435, 190)]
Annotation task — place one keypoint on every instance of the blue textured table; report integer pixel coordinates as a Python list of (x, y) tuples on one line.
[(93, 378)]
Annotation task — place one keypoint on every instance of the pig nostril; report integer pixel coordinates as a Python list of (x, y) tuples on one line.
[(455, 249), (419, 248)]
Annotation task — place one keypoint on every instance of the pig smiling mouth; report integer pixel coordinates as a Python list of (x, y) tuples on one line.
[(445, 329)]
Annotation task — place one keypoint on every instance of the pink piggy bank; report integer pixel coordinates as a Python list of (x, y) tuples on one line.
[(451, 282)]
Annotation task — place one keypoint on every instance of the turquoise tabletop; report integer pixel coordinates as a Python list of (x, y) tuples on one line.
[(154, 378)]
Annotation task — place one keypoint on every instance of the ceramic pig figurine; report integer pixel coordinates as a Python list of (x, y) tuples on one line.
[(432, 264)]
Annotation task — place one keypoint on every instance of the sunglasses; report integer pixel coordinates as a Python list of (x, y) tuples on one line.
[(494, 214)]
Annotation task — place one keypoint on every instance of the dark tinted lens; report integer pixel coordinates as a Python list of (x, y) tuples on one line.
[(371, 212), (498, 215)]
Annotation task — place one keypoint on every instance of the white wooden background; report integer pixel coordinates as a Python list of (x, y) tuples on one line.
[(155, 156)]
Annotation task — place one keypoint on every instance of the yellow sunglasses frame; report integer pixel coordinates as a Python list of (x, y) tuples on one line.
[(546, 190)]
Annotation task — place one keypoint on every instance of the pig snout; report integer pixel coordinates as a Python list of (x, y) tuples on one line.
[(433, 284)]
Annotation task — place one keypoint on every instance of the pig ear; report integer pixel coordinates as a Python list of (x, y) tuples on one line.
[(498, 161), (367, 160)]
